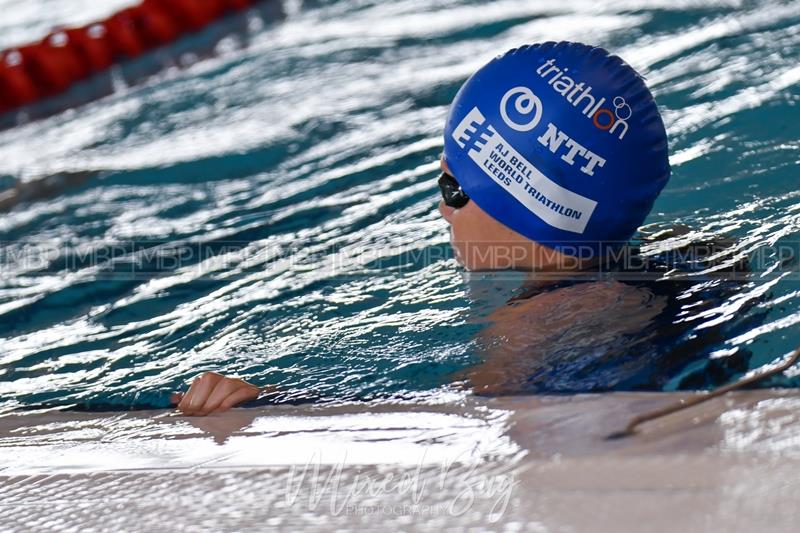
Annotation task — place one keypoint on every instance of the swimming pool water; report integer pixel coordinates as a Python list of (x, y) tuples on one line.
[(270, 209)]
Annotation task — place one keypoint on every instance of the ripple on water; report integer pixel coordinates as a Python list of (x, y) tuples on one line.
[(270, 210)]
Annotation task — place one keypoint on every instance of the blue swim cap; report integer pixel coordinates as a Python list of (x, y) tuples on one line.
[(561, 142)]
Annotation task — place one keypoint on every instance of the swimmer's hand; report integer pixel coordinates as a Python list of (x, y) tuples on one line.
[(213, 393)]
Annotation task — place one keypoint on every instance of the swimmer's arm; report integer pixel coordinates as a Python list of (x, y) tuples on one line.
[(504, 356), (519, 335), (211, 392)]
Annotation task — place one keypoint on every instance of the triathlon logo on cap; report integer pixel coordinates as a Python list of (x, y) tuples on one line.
[(579, 93)]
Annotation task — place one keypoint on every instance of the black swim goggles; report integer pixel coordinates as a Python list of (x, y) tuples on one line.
[(452, 193)]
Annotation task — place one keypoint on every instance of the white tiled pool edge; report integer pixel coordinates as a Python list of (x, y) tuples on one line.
[(731, 464)]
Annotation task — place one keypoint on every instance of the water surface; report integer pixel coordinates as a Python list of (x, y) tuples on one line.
[(270, 209)]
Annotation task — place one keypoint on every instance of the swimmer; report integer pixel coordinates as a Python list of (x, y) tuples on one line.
[(553, 156)]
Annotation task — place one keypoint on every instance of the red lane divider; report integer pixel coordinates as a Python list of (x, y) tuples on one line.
[(92, 44), (16, 85), (31, 72), (155, 24), (53, 64), (194, 14)]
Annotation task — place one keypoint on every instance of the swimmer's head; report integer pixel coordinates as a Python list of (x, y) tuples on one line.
[(558, 144)]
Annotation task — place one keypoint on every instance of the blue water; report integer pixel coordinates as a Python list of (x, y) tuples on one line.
[(268, 207)]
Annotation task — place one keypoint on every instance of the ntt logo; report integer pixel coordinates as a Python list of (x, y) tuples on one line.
[(524, 103), (613, 120)]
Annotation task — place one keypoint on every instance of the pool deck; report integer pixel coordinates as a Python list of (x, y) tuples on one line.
[(524, 463)]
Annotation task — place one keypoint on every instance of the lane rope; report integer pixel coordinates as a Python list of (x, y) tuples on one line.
[(36, 71)]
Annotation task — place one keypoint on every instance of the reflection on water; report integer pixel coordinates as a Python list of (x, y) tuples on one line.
[(270, 211)]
